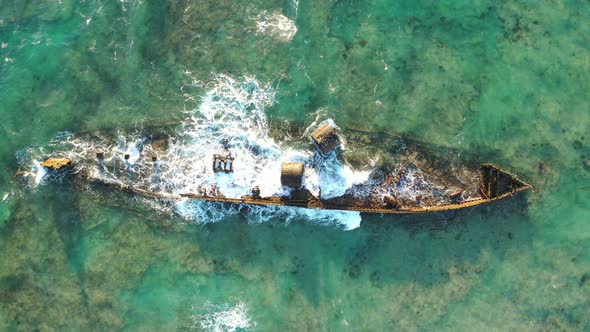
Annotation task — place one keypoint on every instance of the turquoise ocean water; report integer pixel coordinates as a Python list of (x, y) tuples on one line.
[(504, 82)]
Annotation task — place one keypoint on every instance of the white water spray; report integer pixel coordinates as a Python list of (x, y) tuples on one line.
[(230, 119), (222, 318), (276, 25)]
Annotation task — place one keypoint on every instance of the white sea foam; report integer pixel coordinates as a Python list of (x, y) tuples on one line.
[(39, 172), (222, 318), (276, 25), (232, 115), (347, 220), (229, 119), (206, 212), (328, 172)]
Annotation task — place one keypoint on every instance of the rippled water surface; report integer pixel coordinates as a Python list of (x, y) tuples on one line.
[(499, 82)]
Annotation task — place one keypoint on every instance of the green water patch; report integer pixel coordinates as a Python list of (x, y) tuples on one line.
[(553, 264), (36, 273), (95, 64)]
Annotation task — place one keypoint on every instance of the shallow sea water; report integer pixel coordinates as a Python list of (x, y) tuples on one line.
[(506, 82)]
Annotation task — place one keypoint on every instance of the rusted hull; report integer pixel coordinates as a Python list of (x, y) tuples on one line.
[(410, 178), (495, 185)]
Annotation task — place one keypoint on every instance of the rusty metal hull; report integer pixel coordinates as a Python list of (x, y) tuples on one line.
[(452, 185), (495, 185)]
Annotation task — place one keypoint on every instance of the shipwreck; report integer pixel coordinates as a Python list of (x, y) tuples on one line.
[(409, 178)]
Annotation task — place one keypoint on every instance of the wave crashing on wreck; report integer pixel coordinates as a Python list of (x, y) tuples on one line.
[(230, 117)]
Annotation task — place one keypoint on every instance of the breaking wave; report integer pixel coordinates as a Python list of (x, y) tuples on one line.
[(276, 25), (222, 318), (230, 118)]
